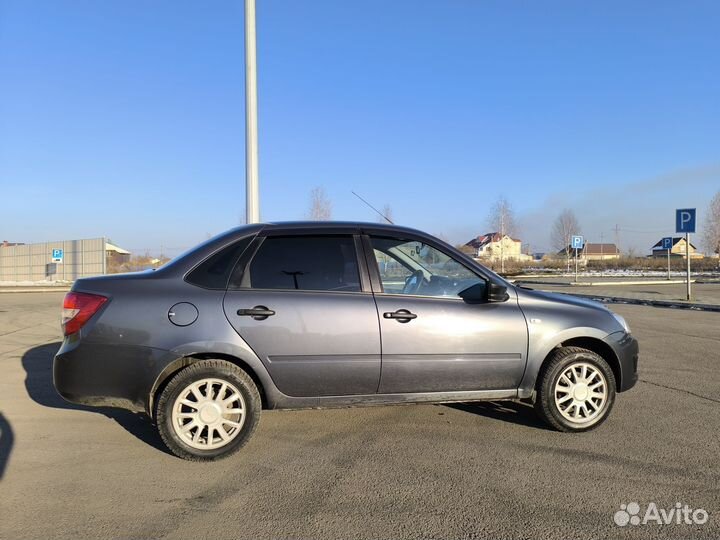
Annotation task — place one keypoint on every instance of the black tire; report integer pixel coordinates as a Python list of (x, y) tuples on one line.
[(207, 369), (559, 363)]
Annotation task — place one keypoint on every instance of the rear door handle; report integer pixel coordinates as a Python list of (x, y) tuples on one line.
[(259, 313), (401, 315)]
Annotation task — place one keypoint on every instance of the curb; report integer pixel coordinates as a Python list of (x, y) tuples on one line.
[(655, 303), (608, 283), (614, 283), (34, 289)]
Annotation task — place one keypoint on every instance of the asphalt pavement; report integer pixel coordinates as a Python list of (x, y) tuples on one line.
[(413, 471)]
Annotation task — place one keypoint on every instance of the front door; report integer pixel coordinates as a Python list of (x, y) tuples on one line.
[(432, 340), (300, 306)]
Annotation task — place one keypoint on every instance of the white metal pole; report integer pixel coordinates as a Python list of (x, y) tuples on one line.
[(668, 257), (687, 255), (252, 198), (576, 265)]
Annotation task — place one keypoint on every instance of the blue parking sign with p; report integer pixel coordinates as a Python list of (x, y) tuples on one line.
[(685, 220), (576, 242), (667, 242), (57, 255)]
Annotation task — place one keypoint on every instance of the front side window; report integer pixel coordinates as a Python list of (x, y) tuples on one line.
[(412, 267), (308, 263)]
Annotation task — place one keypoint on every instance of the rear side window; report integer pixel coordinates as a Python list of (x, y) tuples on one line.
[(214, 272), (309, 263)]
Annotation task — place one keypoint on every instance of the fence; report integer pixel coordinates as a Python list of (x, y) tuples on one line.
[(33, 262)]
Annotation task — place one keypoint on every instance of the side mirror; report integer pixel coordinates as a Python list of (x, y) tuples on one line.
[(475, 294), (496, 292)]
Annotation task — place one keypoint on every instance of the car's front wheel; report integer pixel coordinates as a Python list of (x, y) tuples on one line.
[(208, 410), (576, 390)]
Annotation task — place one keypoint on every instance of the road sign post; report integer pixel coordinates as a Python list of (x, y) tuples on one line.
[(687, 257), (685, 223), (576, 242), (667, 244), (57, 255), (576, 266)]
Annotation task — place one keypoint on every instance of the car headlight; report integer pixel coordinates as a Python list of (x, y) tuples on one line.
[(621, 321)]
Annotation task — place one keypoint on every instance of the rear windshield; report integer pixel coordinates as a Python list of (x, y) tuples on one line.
[(192, 256), (214, 272)]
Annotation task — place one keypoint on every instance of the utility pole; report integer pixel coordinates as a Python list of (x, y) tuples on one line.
[(617, 236), (252, 198), (617, 242)]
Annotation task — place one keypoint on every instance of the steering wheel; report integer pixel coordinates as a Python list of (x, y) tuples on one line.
[(413, 282)]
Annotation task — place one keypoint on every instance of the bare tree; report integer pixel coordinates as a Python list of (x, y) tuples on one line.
[(711, 229), (320, 205), (566, 225), (502, 220), (387, 215), (442, 236)]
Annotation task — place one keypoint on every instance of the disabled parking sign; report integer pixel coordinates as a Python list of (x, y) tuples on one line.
[(57, 255)]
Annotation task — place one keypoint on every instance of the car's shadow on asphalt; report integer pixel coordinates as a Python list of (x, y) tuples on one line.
[(37, 363), (508, 411)]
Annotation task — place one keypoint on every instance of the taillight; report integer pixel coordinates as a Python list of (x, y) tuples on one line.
[(78, 308)]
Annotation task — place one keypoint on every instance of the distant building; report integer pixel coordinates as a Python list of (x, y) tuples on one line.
[(600, 252), (677, 250), (116, 255), (63, 260), (492, 246), (593, 252)]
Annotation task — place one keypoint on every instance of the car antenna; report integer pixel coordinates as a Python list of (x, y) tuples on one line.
[(390, 221)]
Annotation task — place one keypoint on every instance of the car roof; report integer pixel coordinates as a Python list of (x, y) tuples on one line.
[(341, 226)]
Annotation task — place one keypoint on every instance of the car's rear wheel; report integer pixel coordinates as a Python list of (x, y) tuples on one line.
[(576, 390), (208, 410)]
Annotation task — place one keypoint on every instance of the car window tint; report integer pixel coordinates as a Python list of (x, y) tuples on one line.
[(412, 267), (310, 263), (214, 272)]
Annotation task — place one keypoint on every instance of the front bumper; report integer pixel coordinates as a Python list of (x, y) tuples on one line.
[(626, 349)]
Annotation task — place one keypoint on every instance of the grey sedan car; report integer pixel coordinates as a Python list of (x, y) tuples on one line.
[(301, 315)]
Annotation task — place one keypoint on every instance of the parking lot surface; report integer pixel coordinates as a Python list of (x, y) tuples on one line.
[(416, 471)]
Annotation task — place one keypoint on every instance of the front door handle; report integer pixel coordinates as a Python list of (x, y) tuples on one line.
[(259, 313), (401, 315)]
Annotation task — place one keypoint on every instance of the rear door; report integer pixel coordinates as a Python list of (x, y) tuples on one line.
[(432, 340), (303, 303)]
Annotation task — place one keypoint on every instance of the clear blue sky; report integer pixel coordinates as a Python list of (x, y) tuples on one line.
[(126, 118)]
